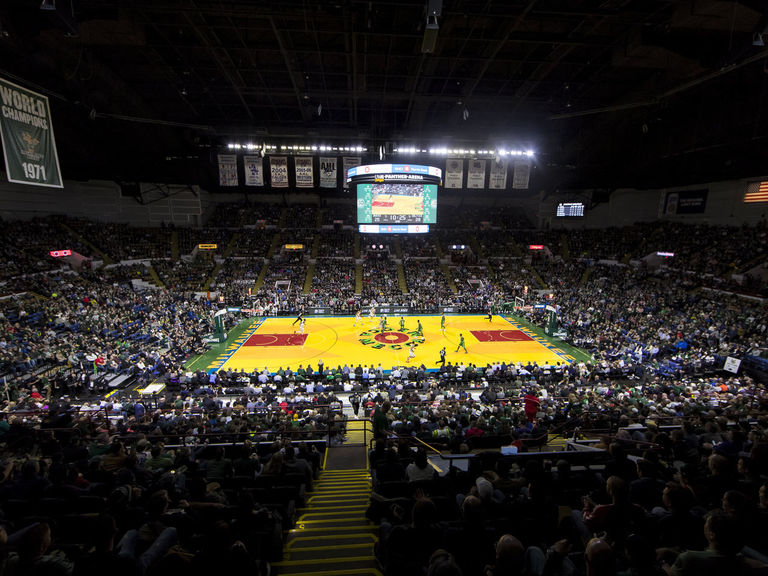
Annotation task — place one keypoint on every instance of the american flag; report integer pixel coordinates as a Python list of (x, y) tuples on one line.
[(756, 192)]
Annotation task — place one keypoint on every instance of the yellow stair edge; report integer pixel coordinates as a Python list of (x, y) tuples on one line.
[(343, 572), (332, 547), (363, 536), (342, 560)]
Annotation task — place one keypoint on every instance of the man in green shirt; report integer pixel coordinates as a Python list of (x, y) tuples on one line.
[(461, 344)]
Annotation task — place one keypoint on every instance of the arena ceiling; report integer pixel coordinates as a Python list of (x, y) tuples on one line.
[(608, 92)]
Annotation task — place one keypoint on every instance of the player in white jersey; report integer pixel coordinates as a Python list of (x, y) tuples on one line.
[(358, 318), (372, 314), (411, 353)]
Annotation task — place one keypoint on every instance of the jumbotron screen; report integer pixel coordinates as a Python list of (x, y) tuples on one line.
[(398, 198), (396, 203)]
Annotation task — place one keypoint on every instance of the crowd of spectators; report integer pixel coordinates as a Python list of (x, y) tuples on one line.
[(416, 246), (236, 215), (427, 285), (251, 243), (336, 244), (300, 216), (696, 489), (679, 486), (186, 274), (333, 285), (380, 282), (191, 238), (333, 213), (284, 282)]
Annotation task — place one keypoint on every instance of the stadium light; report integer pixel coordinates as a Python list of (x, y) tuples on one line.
[(529, 153)]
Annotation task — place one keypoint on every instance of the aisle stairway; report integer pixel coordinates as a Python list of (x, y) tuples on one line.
[(332, 535)]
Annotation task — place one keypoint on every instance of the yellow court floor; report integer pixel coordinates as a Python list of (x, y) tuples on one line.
[(397, 204), (275, 342)]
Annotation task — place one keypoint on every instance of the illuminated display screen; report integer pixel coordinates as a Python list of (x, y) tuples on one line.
[(60, 253), (535, 246), (396, 203), (207, 246), (570, 209), (396, 197), (394, 228), (665, 254), (294, 246)]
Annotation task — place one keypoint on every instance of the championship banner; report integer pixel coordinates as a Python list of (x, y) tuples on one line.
[(454, 173), (327, 172), (305, 177), (522, 174), (228, 170), (254, 171), (498, 179), (476, 174), (278, 166), (347, 163), (27, 135)]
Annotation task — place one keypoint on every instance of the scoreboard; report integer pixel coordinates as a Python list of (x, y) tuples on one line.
[(395, 198), (570, 209)]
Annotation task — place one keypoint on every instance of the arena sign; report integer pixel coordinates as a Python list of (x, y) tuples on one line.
[(27, 135)]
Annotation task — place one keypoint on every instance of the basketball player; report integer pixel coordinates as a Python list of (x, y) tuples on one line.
[(299, 318), (358, 318), (372, 314), (461, 344), (442, 323), (442, 357), (419, 329), (411, 353), (402, 324), (490, 314), (301, 326)]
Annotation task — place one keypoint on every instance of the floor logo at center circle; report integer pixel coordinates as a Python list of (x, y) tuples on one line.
[(391, 337), (391, 340)]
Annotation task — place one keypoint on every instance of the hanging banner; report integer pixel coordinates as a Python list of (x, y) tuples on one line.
[(454, 173), (327, 172), (498, 180), (347, 163), (27, 135), (476, 174), (228, 170), (278, 166), (254, 171), (521, 174), (305, 177)]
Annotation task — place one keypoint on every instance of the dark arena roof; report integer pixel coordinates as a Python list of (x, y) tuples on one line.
[(608, 93)]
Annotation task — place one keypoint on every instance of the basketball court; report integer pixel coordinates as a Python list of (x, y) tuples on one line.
[(275, 342), (385, 204)]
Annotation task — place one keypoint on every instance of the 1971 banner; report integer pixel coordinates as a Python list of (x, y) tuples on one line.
[(27, 134)]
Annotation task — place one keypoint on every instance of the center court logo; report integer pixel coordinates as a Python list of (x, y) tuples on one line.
[(390, 340)]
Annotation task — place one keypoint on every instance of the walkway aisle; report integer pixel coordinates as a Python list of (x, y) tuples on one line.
[(332, 535)]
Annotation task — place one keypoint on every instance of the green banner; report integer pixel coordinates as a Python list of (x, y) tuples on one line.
[(27, 134)]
